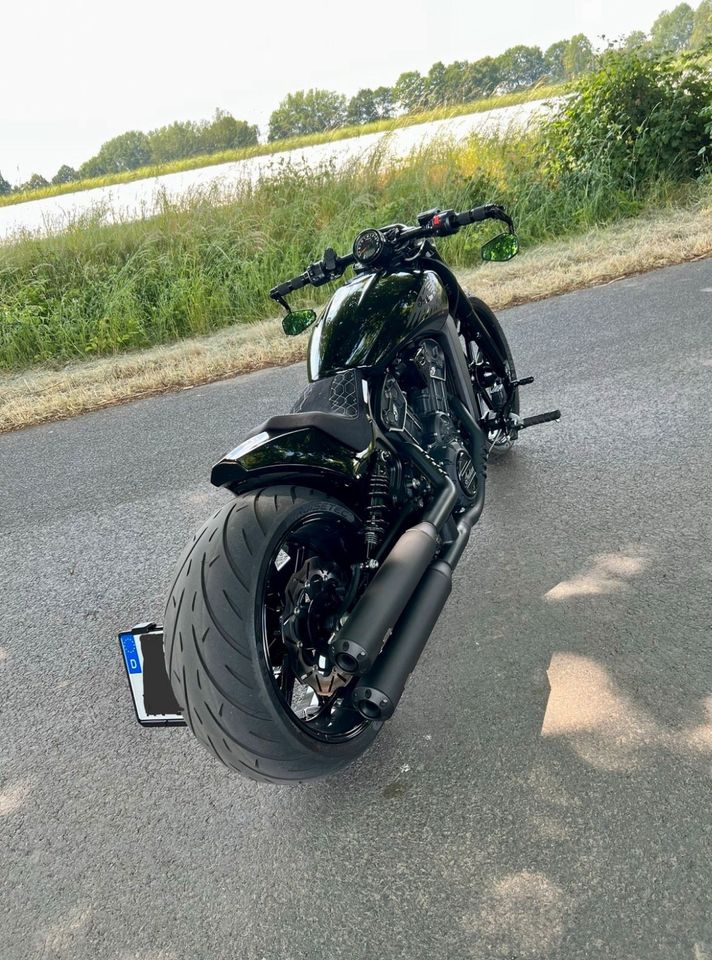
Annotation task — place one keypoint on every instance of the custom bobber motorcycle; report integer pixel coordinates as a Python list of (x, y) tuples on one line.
[(302, 606)]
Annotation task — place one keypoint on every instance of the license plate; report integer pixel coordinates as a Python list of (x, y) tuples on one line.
[(142, 654)]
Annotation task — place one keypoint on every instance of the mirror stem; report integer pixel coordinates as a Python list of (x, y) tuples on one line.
[(283, 303)]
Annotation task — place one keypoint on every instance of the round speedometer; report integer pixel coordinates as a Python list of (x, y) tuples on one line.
[(368, 246)]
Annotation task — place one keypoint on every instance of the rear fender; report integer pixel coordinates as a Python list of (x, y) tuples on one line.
[(306, 455)]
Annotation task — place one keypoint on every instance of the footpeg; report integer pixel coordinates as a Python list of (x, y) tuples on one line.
[(524, 382), (540, 418)]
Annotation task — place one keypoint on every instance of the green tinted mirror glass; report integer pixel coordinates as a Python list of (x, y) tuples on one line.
[(297, 321), (503, 247)]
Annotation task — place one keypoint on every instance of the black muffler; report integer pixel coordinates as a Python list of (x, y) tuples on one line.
[(359, 641), (406, 596), (377, 694), (378, 691)]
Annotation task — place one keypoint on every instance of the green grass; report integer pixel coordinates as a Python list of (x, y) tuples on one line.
[(292, 143), (198, 266)]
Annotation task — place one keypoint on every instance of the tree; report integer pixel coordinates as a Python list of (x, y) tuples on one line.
[(224, 132), (307, 111), (481, 78), (175, 141), (369, 105), (383, 101), (5, 187), (362, 107), (437, 93), (409, 91), (521, 66), (579, 56), (554, 61), (672, 29), (635, 40), (702, 28), (65, 174), (454, 82), (128, 151), (36, 182)]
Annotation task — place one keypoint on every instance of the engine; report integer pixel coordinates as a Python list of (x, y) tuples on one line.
[(415, 403)]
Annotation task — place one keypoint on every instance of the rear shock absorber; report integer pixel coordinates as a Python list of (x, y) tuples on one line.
[(377, 505)]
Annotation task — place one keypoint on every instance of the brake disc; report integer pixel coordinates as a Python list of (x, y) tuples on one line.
[(314, 596)]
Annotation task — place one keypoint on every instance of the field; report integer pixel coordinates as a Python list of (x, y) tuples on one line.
[(291, 143), (601, 255)]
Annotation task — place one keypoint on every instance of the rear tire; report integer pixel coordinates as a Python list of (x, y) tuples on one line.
[(214, 641)]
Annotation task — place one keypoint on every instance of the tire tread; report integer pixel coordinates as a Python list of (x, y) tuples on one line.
[(215, 664)]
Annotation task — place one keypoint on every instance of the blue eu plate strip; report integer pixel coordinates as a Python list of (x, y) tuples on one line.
[(128, 645)]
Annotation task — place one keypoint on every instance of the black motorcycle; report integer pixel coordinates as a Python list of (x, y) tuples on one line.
[(302, 606)]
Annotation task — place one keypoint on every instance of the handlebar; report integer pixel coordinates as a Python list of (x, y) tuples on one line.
[(316, 274), (432, 223)]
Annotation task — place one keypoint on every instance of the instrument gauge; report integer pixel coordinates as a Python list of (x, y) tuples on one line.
[(368, 246)]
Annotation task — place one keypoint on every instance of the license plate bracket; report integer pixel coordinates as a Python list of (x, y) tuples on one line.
[(142, 656)]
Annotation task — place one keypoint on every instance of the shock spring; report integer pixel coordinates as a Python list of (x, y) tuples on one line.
[(377, 506)]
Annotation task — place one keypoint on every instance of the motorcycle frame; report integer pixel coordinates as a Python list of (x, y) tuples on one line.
[(337, 469)]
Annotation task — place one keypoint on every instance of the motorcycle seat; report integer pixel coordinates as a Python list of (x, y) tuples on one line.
[(333, 405)]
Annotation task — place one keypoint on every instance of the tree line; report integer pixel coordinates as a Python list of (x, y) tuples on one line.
[(135, 149), (518, 68), (316, 111)]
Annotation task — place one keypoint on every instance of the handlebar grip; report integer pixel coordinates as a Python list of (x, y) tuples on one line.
[(469, 216), (490, 211), (289, 286)]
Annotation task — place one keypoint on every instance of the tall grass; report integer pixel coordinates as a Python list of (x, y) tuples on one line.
[(198, 265), (291, 143)]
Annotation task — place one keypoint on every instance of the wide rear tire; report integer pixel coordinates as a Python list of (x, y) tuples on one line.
[(214, 641)]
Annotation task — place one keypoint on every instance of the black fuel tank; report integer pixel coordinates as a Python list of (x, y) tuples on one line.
[(368, 319)]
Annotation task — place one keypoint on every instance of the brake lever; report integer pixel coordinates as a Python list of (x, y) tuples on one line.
[(499, 213)]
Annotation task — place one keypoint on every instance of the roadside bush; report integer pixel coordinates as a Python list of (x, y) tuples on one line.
[(640, 117)]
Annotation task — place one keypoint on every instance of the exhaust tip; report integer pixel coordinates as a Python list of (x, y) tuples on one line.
[(347, 663), (372, 704), (351, 657), (368, 710)]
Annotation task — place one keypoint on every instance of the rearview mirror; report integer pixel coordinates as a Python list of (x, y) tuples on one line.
[(500, 248), (297, 321)]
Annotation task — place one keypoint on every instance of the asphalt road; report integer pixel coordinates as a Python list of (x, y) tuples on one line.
[(544, 788)]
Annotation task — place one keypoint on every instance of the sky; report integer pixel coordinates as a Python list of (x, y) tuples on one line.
[(75, 73)]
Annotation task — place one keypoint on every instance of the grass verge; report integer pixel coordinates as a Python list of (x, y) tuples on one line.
[(291, 143), (598, 256), (194, 266)]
